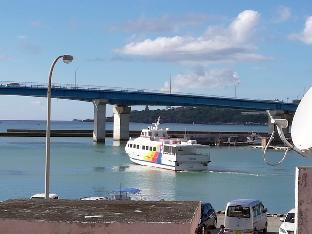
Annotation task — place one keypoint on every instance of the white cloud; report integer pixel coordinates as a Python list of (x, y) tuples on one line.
[(22, 37), (27, 46), (36, 24), (217, 44), (161, 24), (283, 14), (306, 35), (243, 25), (4, 58), (203, 79)]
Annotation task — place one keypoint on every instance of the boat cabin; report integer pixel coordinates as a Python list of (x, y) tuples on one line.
[(154, 133)]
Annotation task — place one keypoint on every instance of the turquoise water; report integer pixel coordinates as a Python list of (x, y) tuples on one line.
[(81, 168), (38, 124)]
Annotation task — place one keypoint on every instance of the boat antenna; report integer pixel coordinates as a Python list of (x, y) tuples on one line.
[(158, 122)]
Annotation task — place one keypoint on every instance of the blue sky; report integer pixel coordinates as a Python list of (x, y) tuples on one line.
[(207, 47)]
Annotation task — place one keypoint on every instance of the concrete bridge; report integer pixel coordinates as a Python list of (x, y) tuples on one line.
[(123, 99)]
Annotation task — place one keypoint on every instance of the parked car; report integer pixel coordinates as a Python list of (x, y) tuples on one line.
[(245, 216), (42, 196), (93, 198), (208, 219), (12, 84), (288, 224)]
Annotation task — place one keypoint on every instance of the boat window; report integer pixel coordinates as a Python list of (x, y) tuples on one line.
[(138, 147), (143, 147), (130, 146), (134, 145), (151, 148), (154, 148), (166, 149)]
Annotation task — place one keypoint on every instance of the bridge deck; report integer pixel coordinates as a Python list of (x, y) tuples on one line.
[(140, 97)]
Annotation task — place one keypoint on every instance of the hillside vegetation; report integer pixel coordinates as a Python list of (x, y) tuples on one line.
[(199, 115)]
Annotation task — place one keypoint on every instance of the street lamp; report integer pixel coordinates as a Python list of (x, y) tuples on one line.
[(66, 59)]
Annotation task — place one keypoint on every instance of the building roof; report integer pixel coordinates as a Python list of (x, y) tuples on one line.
[(102, 211), (243, 202)]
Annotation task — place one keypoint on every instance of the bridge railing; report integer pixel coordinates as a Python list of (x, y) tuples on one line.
[(93, 87), (14, 84)]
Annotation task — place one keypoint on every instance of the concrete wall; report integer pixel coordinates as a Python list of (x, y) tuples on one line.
[(304, 200), (39, 227)]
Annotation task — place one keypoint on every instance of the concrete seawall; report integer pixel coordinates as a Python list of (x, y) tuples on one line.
[(207, 138)]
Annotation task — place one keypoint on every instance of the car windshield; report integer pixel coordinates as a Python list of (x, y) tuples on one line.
[(290, 218), (238, 211)]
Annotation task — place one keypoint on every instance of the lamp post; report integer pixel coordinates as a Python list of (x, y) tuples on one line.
[(66, 59)]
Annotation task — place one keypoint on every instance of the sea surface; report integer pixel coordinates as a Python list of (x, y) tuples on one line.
[(80, 168)]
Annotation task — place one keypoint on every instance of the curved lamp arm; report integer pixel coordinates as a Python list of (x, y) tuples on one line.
[(66, 59)]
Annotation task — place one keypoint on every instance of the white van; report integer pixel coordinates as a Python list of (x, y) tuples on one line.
[(245, 216)]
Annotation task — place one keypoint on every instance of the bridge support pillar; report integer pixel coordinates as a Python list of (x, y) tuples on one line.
[(99, 130), (121, 122)]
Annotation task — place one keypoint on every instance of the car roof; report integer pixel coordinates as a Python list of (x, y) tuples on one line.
[(206, 203), (93, 198), (292, 211), (42, 195), (243, 202)]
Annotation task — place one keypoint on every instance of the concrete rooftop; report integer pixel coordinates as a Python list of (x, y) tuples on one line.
[(99, 211)]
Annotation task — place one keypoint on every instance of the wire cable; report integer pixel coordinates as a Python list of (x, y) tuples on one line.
[(265, 149)]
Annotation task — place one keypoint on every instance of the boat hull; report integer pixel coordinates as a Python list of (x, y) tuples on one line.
[(182, 166)]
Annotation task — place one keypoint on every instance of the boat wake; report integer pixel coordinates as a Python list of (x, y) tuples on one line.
[(133, 168), (234, 172)]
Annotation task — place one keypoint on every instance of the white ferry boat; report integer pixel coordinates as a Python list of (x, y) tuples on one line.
[(155, 148)]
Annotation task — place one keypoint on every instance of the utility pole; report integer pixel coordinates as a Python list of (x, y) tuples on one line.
[(76, 77), (170, 85)]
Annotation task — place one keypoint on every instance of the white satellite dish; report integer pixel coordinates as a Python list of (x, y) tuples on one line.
[(301, 129)]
